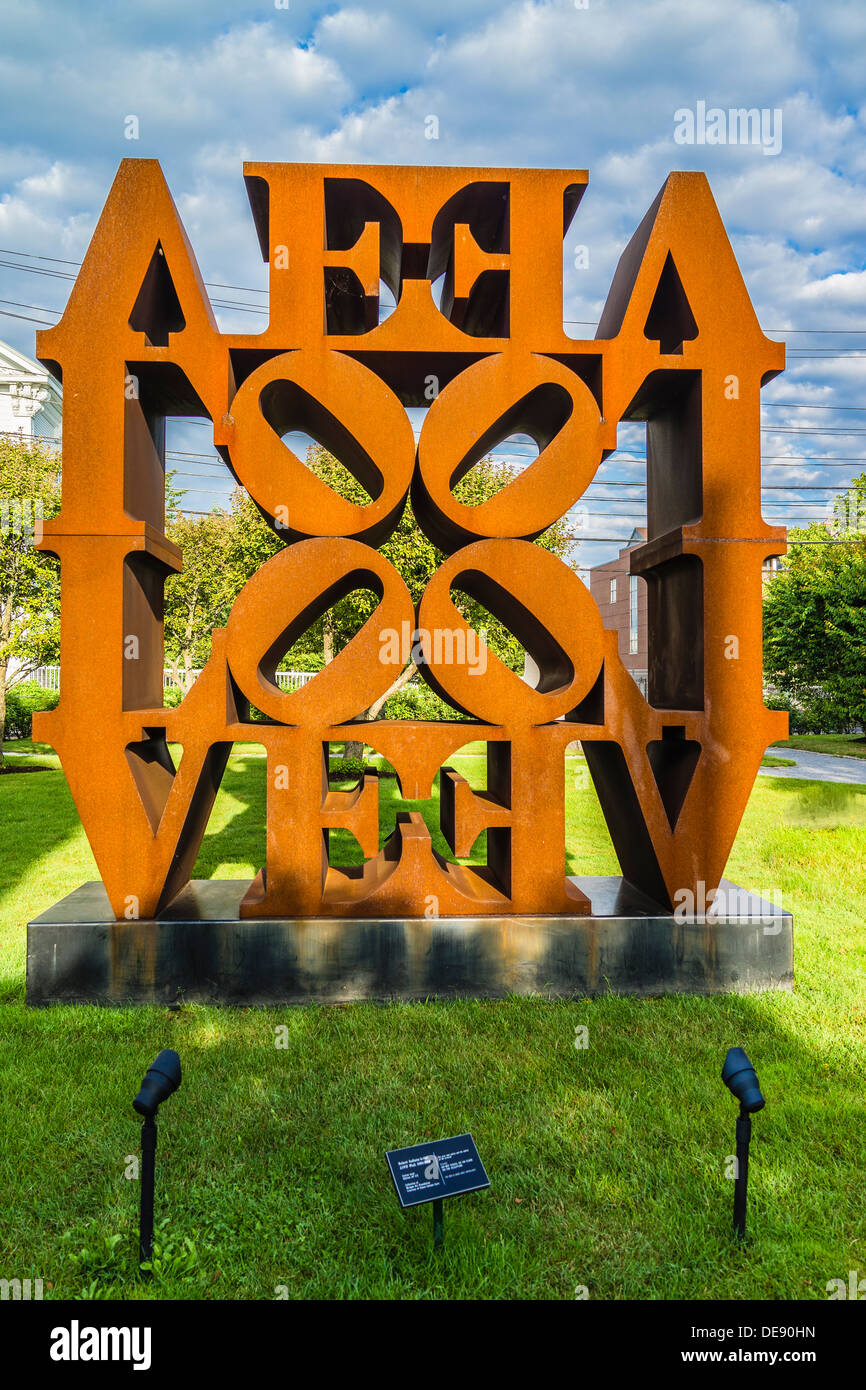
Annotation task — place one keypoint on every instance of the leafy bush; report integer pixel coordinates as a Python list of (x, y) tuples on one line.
[(341, 769), (814, 714), (22, 702), (304, 661), (416, 702)]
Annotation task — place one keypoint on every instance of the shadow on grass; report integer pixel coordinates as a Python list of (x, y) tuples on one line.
[(624, 1147), (37, 815), (238, 822), (607, 1164)]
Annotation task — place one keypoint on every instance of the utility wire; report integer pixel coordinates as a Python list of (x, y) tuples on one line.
[(249, 289), (586, 540)]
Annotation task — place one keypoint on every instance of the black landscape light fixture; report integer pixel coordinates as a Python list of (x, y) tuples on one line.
[(741, 1080), (161, 1080)]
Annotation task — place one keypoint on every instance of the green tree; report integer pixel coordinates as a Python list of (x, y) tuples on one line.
[(416, 559), (815, 614), (199, 598), (29, 579), (250, 542)]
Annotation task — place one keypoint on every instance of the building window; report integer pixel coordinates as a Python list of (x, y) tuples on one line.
[(633, 627), (613, 591)]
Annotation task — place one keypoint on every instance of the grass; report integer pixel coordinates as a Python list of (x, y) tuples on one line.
[(840, 745), (607, 1163)]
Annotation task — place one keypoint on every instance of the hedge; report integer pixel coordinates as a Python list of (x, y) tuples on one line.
[(22, 702)]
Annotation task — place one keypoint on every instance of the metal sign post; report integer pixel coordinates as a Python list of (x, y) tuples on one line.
[(432, 1171), (148, 1174)]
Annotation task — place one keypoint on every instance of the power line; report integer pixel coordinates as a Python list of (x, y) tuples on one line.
[(640, 515), (783, 460), (616, 455), (5, 251), (249, 289), (28, 318), (216, 464), (19, 305), (813, 330), (67, 275), (807, 405), (39, 270), (590, 323), (621, 541), (202, 491), (187, 454), (216, 303), (767, 501), (213, 461), (59, 260)]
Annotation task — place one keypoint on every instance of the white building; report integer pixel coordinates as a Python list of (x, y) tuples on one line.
[(30, 407), (30, 398)]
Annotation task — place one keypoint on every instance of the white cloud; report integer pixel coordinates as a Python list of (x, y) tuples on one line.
[(216, 81)]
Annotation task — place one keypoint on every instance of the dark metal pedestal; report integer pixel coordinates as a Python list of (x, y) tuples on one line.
[(198, 950)]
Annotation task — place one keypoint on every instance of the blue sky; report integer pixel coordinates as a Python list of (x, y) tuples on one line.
[(541, 83)]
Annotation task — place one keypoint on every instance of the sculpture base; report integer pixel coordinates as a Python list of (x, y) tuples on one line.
[(198, 951)]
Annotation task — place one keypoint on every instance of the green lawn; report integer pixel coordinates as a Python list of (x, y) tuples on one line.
[(842, 745), (607, 1164)]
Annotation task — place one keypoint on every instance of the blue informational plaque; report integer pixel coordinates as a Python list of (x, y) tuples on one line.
[(435, 1169)]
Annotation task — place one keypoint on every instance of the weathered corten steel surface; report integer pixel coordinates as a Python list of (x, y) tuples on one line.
[(678, 346), (200, 952)]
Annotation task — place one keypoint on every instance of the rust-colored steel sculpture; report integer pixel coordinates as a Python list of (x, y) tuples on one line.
[(678, 346)]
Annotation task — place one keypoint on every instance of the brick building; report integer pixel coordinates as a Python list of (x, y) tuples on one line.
[(622, 602)]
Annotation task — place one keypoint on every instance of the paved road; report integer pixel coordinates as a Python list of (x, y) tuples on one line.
[(817, 767)]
